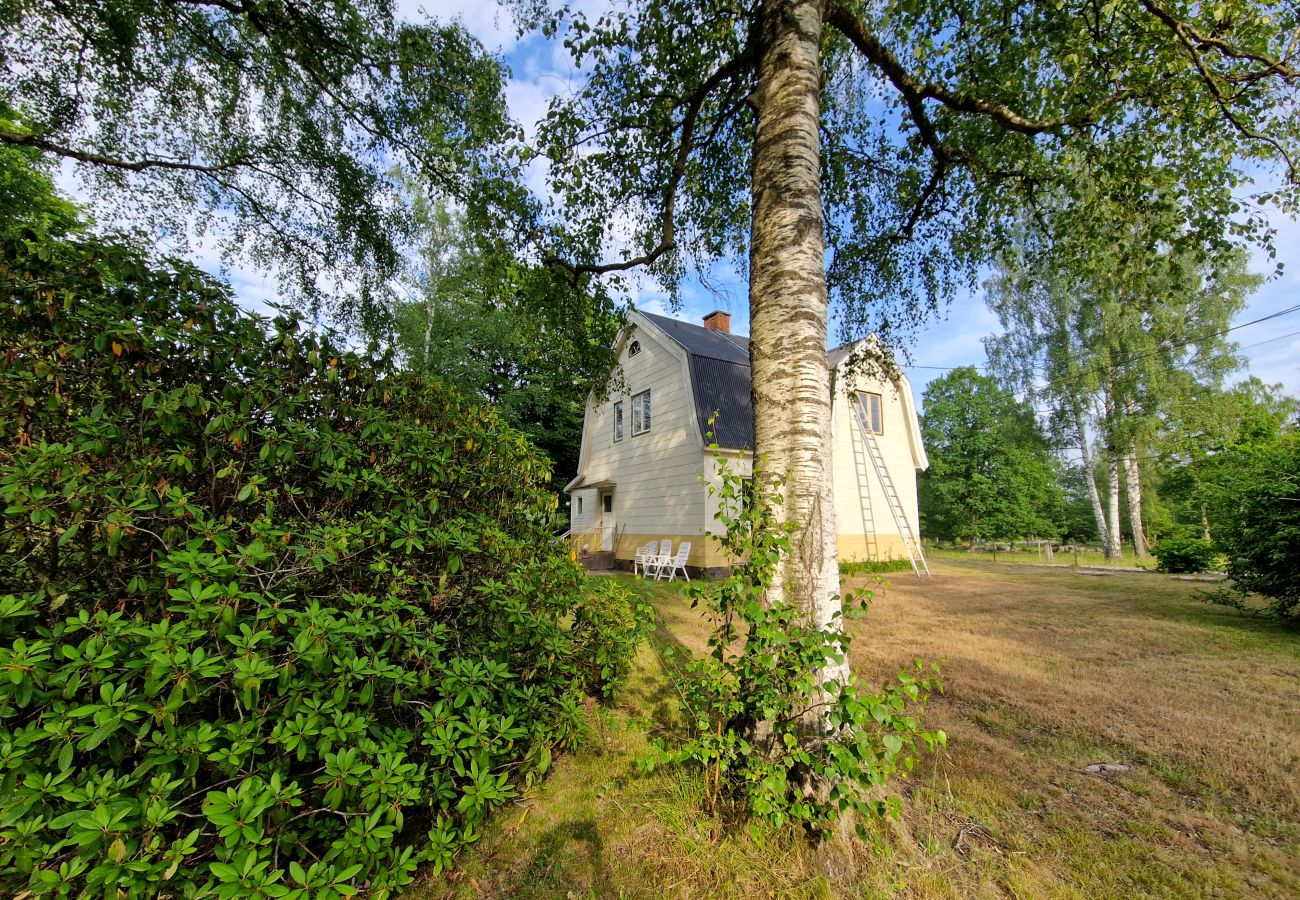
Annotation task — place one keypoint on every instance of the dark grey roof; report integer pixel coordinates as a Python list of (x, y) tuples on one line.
[(720, 379), (722, 391), (719, 364), (701, 341)]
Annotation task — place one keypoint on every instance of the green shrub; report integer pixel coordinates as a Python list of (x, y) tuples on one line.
[(1256, 510), (1183, 552), (273, 621), (874, 566), (772, 738)]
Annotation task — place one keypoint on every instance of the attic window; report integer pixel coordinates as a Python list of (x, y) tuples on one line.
[(634, 348), (872, 413)]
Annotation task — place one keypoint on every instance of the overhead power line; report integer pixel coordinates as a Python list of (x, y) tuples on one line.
[(1164, 349)]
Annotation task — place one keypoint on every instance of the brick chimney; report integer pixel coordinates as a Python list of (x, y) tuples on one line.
[(718, 321)]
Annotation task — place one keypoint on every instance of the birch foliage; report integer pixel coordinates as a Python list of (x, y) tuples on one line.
[(269, 126), (1113, 328)]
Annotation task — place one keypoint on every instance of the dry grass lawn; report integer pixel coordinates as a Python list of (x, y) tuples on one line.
[(1046, 672)]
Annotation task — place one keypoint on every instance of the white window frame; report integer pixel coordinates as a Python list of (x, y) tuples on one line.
[(618, 421), (874, 417), (642, 416)]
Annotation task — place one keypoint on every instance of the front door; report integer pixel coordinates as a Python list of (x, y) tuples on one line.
[(606, 520)]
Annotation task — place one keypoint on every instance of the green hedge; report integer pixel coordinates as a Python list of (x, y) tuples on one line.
[(1256, 509), (274, 621)]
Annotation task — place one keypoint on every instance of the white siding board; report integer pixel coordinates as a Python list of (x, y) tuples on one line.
[(861, 506), (656, 474), (660, 476)]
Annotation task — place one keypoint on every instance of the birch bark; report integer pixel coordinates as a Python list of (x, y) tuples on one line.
[(1091, 481), (1112, 505), (1133, 486), (788, 306)]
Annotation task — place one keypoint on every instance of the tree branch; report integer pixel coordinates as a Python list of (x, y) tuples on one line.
[(1190, 35), (915, 93), (130, 165), (1193, 42), (667, 242)]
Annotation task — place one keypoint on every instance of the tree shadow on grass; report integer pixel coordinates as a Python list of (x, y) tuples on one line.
[(570, 855), (654, 695)]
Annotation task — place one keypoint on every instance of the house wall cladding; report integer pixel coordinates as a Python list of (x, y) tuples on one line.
[(866, 523), (661, 478), (649, 469)]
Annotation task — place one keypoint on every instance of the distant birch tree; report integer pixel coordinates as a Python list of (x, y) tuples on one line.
[(1108, 327)]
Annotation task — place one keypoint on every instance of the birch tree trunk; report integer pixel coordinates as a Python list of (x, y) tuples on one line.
[(1112, 510), (1133, 486), (788, 306), (1109, 414), (429, 311), (1091, 480)]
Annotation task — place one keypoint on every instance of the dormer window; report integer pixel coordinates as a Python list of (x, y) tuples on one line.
[(634, 348), (872, 412)]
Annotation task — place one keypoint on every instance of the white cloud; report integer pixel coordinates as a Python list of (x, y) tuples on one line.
[(487, 20)]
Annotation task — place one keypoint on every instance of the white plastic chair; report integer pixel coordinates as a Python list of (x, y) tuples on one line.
[(644, 554), (676, 564), (658, 559)]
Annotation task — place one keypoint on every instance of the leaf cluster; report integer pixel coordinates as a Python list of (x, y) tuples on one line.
[(992, 474), (776, 736), (1253, 498), (944, 126), (1184, 551), (275, 621)]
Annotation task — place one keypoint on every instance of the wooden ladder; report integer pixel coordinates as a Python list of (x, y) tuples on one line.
[(914, 552)]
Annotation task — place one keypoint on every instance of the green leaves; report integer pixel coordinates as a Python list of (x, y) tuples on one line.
[(991, 473), (179, 96), (203, 694), (772, 737)]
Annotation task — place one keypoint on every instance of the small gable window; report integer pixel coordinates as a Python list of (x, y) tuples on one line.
[(872, 412), (641, 412), (579, 506), (634, 348), (618, 421)]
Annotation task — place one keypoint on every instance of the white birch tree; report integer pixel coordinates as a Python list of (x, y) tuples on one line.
[(1106, 328), (907, 135)]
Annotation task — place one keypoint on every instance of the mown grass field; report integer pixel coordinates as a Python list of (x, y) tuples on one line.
[(1047, 671), (1038, 557)]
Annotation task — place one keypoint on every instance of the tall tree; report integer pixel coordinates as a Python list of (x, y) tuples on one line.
[(506, 332), (1206, 433), (1109, 326), (28, 199), (911, 134), (270, 124), (992, 474)]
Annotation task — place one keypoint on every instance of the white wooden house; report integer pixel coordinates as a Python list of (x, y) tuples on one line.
[(645, 460)]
